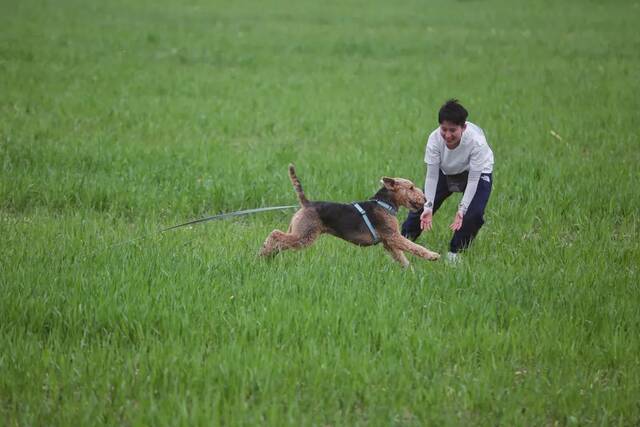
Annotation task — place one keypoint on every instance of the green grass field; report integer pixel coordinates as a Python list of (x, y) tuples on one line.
[(119, 117)]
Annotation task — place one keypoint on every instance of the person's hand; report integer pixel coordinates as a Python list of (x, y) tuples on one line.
[(425, 219), (457, 222)]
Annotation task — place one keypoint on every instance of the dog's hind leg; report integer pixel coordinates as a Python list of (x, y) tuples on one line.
[(275, 242), (279, 241), (303, 231)]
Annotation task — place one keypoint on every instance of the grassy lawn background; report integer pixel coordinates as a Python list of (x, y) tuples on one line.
[(118, 118)]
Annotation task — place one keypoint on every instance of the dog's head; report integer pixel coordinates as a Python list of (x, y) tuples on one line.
[(405, 193)]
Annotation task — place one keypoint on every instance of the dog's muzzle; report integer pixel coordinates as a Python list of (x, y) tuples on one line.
[(416, 206)]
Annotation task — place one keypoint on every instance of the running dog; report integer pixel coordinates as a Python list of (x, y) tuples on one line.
[(363, 223)]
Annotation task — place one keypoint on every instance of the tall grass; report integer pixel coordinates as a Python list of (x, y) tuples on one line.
[(119, 118)]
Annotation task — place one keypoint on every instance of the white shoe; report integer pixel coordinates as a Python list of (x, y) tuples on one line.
[(453, 258)]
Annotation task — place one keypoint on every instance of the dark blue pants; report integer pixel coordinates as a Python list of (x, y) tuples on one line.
[(471, 222)]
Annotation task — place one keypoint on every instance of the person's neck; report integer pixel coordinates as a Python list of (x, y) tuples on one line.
[(457, 144)]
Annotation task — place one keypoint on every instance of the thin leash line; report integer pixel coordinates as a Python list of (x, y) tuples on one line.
[(227, 215), (195, 221)]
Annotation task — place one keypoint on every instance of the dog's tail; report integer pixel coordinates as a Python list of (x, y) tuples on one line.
[(297, 186)]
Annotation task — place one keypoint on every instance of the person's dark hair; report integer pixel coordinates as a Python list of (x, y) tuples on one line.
[(453, 112)]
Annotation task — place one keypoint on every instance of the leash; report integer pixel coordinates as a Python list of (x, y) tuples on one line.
[(227, 215), (199, 221)]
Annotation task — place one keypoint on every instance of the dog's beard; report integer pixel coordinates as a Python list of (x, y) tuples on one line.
[(415, 206)]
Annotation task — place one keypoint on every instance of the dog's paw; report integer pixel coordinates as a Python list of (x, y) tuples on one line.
[(267, 251), (433, 256), (263, 251)]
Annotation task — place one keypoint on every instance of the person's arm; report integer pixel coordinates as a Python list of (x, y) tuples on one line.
[(475, 170), (478, 159), (430, 184), (470, 191), (432, 157)]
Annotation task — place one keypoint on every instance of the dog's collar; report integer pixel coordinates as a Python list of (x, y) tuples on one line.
[(367, 222), (393, 211)]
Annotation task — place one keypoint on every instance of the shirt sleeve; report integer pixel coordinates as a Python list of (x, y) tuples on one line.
[(432, 154), (470, 191), (430, 185), (432, 159), (480, 154)]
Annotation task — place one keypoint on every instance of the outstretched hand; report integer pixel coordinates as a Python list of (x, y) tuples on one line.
[(457, 222), (426, 220)]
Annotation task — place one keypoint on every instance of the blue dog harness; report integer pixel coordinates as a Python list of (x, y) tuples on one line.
[(366, 220)]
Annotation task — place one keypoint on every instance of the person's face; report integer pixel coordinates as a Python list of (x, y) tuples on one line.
[(451, 133)]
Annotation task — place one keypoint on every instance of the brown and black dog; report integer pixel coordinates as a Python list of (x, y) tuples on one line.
[(346, 222)]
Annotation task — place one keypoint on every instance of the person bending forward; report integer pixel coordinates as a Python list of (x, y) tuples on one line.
[(458, 159)]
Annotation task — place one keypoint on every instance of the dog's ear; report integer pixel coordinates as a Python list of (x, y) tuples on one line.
[(389, 183)]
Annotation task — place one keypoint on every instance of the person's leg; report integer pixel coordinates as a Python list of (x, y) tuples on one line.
[(411, 226), (474, 218)]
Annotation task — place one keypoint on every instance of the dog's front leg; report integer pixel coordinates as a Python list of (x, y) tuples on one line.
[(397, 255), (407, 245)]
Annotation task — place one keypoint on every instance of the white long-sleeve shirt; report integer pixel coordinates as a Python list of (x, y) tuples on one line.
[(473, 154)]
